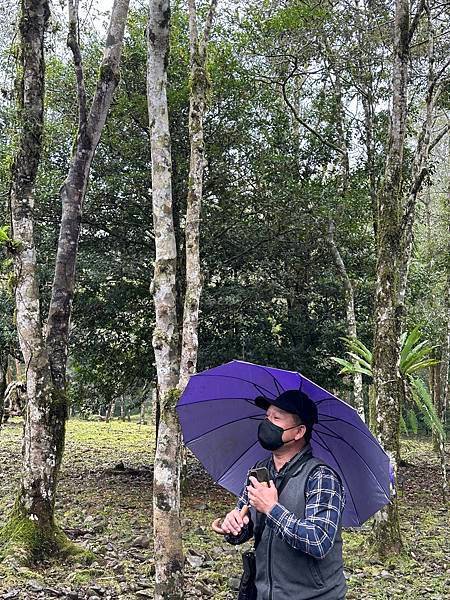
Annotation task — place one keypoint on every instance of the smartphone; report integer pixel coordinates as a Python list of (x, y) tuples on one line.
[(261, 474)]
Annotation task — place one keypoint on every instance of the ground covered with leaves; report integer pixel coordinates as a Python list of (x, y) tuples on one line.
[(104, 504)]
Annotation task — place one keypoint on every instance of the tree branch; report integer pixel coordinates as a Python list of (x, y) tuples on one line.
[(416, 19), (73, 42), (439, 137), (209, 22), (305, 124)]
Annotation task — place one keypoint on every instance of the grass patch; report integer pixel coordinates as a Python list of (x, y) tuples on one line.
[(107, 513)]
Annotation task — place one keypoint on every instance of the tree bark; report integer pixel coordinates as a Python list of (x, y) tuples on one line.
[(110, 410), (446, 344), (420, 171), (3, 373), (30, 530), (73, 189), (166, 343), (197, 105), (31, 525), (350, 312), (445, 353), (386, 353), (155, 413), (372, 410)]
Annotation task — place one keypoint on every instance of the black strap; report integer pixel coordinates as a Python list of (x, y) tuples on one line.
[(280, 485)]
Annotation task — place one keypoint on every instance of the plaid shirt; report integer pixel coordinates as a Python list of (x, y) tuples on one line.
[(315, 533)]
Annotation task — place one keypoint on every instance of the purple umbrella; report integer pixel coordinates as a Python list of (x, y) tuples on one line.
[(219, 421)]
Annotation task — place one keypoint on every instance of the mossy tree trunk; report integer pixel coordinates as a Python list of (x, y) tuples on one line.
[(166, 341), (386, 351), (197, 104), (372, 410), (175, 359), (3, 376), (444, 366), (31, 525), (73, 190)]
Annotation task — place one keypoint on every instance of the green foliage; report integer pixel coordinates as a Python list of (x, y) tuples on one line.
[(296, 15), (412, 421), (403, 427), (414, 357), (271, 291), (4, 235), (424, 403)]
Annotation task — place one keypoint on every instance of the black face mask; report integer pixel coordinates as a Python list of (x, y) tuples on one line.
[(270, 436)]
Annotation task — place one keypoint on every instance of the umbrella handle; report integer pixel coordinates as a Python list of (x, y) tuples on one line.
[(216, 525)]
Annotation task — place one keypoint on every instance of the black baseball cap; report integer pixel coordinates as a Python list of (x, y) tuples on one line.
[(292, 401)]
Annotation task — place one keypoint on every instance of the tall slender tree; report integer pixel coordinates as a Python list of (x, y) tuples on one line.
[(31, 528), (176, 359), (166, 339), (198, 43), (386, 353)]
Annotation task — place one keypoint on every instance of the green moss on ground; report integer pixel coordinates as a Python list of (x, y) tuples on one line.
[(26, 542)]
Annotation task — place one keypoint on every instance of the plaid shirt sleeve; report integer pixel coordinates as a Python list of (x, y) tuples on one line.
[(325, 501)]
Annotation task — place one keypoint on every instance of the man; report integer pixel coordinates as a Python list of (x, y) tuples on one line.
[(299, 552)]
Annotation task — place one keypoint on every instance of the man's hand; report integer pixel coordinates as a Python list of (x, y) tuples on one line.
[(261, 497), (233, 522)]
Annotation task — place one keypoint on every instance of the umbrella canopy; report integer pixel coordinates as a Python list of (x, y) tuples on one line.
[(219, 422)]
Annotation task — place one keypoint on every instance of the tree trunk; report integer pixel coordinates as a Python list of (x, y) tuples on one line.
[(155, 412), (110, 410), (446, 344), (372, 410), (3, 373), (358, 400), (30, 531), (197, 104), (420, 170), (31, 526), (142, 412), (166, 343), (386, 353), (444, 391), (73, 189), (122, 407)]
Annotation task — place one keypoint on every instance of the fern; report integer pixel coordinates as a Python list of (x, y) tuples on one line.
[(422, 399), (415, 355), (403, 428), (413, 425), (4, 235)]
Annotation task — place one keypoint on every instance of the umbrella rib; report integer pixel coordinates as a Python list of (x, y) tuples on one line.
[(235, 461), (249, 400), (342, 473), (199, 437), (332, 434), (277, 383), (369, 436), (258, 387)]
